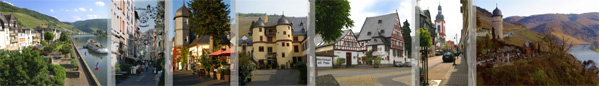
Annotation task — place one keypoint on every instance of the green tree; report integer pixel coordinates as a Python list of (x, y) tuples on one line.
[(64, 37), (48, 36), (209, 17), (407, 39), (425, 40), (27, 67), (331, 17)]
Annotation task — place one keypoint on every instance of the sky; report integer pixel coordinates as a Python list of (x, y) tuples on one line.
[(533, 7), (66, 10), (176, 4), (361, 9), (290, 8), (452, 16)]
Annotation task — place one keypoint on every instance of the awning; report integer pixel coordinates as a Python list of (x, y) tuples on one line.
[(217, 53), (227, 52)]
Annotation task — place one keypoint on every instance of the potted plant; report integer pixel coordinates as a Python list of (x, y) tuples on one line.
[(219, 71), (269, 66), (227, 73), (282, 66), (339, 62), (210, 72)]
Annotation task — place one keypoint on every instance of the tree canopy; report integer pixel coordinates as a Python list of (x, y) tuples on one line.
[(48, 36), (425, 40), (28, 67), (209, 17), (406, 36), (331, 18)]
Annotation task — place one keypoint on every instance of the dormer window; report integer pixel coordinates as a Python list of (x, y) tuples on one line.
[(368, 33), (379, 22)]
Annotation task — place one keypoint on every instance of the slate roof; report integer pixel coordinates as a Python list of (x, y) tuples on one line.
[(319, 42), (297, 23), (246, 40), (182, 12), (497, 12), (373, 26)]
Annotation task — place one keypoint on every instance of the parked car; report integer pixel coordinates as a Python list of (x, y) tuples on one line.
[(448, 57), (407, 64), (398, 64), (438, 52)]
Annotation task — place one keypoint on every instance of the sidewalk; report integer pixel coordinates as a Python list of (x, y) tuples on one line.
[(187, 78), (447, 74), (147, 78), (275, 77)]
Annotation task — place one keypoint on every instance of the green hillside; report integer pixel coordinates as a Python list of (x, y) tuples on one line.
[(33, 19), (91, 25)]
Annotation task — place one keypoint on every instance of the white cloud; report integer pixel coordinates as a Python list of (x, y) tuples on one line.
[(77, 18), (68, 10), (82, 9), (8, 3), (99, 3), (92, 16), (76, 10), (52, 10), (91, 9)]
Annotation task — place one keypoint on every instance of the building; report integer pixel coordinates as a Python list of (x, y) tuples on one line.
[(15, 37), (344, 47), (122, 25), (440, 29), (280, 42), (497, 24), (383, 35)]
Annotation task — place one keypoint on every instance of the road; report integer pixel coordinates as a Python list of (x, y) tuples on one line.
[(146, 78), (275, 77), (366, 75), (445, 73)]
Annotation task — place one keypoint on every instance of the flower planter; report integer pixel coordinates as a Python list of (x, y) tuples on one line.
[(227, 78), (212, 75), (218, 76)]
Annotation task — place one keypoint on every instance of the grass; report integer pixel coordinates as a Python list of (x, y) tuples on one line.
[(571, 39), (31, 22)]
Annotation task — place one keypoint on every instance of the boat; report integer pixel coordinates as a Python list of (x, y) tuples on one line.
[(96, 47)]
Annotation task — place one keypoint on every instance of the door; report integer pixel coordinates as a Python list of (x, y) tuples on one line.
[(348, 59)]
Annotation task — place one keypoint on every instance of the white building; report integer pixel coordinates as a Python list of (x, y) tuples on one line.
[(13, 36), (383, 35), (122, 24), (345, 47)]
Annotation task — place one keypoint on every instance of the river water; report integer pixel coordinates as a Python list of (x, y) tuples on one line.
[(91, 58), (584, 53)]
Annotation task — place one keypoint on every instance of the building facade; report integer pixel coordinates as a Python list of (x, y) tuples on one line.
[(345, 47), (280, 42), (497, 24), (383, 35)]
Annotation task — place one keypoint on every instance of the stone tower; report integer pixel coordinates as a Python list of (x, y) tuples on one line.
[(181, 27), (283, 40), (497, 23)]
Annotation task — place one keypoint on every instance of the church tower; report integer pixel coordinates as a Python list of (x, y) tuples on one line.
[(497, 23), (440, 24)]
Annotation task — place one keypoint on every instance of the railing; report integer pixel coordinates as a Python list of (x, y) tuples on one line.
[(85, 67)]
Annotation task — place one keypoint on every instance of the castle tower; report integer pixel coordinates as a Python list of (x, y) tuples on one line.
[(497, 23), (259, 40), (283, 40), (181, 27)]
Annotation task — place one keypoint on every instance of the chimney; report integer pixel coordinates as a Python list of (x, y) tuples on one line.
[(266, 18)]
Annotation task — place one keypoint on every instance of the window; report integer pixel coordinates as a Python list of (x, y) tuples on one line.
[(244, 48), (282, 44), (260, 29), (296, 48), (379, 22), (261, 38), (295, 38), (270, 49), (270, 39), (368, 33), (282, 55), (288, 44), (284, 32), (185, 21), (261, 49)]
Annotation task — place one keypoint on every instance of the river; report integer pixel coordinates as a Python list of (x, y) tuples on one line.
[(92, 58), (584, 53)]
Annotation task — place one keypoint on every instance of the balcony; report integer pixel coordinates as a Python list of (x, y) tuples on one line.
[(270, 32)]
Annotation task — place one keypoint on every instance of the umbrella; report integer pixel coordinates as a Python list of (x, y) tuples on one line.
[(216, 53)]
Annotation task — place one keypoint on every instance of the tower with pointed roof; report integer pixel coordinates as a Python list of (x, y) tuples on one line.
[(182, 30), (279, 42), (440, 23), (497, 23)]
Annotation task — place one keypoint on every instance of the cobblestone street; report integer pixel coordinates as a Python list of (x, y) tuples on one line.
[(366, 75)]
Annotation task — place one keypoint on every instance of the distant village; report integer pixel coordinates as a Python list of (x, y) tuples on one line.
[(15, 37)]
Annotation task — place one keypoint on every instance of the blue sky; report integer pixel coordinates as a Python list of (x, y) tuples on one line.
[(66, 10), (291, 8), (533, 7), (176, 4)]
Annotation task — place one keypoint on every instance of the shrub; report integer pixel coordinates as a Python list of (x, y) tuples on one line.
[(74, 62), (339, 61)]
